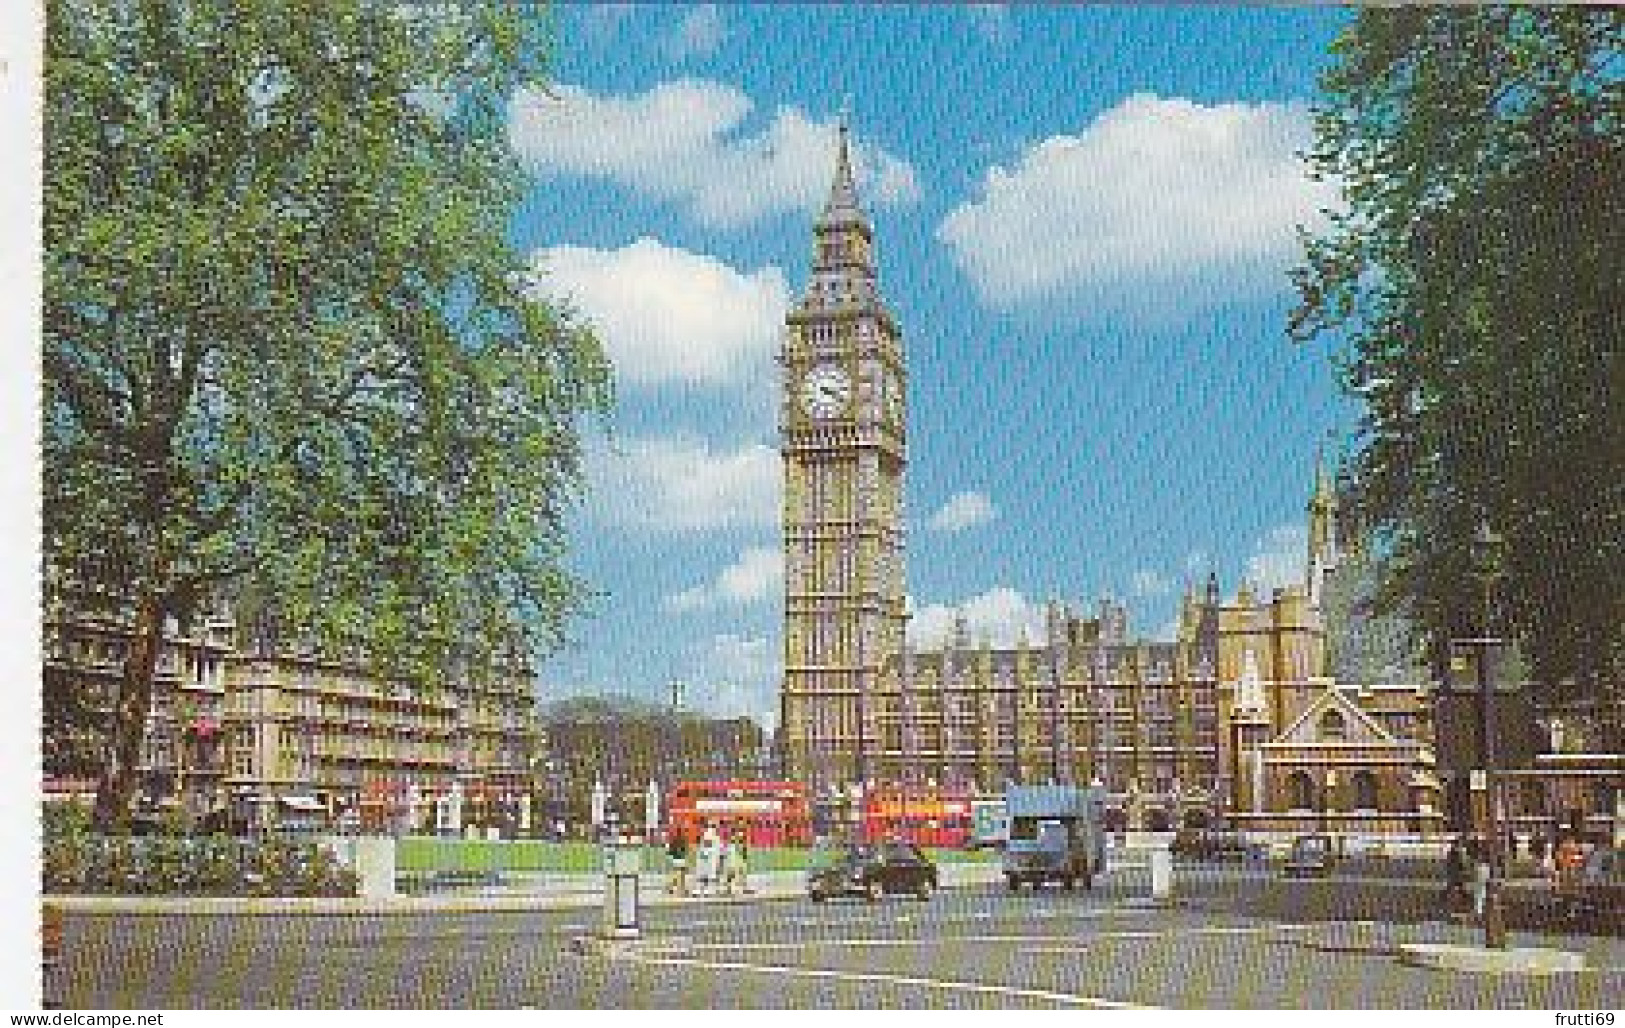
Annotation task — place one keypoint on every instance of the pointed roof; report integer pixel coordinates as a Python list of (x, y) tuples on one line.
[(1324, 495), (842, 207), (1302, 729)]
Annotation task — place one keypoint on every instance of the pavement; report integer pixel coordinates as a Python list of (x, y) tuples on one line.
[(1481, 960)]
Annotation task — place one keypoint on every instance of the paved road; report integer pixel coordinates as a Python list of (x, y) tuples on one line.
[(1241, 938)]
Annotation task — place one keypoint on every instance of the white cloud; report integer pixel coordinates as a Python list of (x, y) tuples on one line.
[(698, 34), (680, 142), (1278, 559), (756, 575), (680, 483), (1154, 193), (1001, 614), (991, 21), (668, 315), (1151, 583), (965, 510)]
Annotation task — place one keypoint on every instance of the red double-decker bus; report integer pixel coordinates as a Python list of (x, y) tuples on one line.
[(923, 816), (772, 813)]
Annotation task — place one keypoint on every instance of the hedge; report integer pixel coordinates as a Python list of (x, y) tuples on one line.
[(77, 860)]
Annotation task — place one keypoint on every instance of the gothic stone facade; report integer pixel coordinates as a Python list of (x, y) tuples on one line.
[(1231, 718)]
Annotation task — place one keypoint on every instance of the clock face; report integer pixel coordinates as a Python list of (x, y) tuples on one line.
[(825, 390)]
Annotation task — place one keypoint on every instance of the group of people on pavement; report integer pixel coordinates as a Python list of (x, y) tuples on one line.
[(721, 865), (1468, 860)]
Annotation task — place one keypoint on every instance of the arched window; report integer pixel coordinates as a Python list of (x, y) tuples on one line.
[(1365, 790), (1533, 798), (1333, 725), (1602, 798), (1301, 789)]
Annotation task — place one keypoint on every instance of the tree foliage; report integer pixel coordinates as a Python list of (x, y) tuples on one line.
[(624, 742), (1366, 644), (1474, 284), (290, 349)]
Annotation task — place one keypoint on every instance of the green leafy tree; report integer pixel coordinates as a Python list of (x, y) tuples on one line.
[(1472, 286), (291, 353)]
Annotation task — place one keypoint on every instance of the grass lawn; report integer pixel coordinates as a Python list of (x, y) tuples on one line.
[(427, 854)]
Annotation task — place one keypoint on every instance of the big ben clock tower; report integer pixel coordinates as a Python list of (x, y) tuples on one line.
[(843, 443)]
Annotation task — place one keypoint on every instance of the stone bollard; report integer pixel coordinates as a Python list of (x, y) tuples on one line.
[(1162, 875), (375, 866)]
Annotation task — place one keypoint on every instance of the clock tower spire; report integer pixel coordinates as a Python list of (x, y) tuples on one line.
[(842, 443)]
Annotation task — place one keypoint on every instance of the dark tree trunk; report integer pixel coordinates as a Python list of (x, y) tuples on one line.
[(127, 734)]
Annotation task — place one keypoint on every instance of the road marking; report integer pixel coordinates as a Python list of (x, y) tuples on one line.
[(1034, 943), (810, 943), (1068, 998), (1182, 932)]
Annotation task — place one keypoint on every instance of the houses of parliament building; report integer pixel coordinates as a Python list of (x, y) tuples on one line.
[(1235, 717)]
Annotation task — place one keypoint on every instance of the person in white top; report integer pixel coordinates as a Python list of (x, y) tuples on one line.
[(733, 862), (707, 859)]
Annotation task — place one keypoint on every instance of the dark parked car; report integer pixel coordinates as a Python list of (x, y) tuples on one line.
[(1311, 856), (1596, 892), (1209, 844), (872, 871)]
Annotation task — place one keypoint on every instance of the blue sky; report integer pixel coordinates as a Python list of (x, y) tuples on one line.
[(1084, 218)]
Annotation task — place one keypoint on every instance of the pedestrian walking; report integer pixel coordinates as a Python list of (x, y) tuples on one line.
[(707, 859), (1455, 876), (1537, 851), (1568, 859), (732, 864), (736, 862), (1481, 875), (744, 860), (677, 854)]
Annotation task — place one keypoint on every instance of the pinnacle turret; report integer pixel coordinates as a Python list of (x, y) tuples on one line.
[(1323, 554), (842, 207)]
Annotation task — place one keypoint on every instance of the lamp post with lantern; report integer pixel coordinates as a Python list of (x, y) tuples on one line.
[(1488, 555)]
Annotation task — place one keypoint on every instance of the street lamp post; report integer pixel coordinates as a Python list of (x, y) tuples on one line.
[(1487, 552), (1326, 793), (674, 756)]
